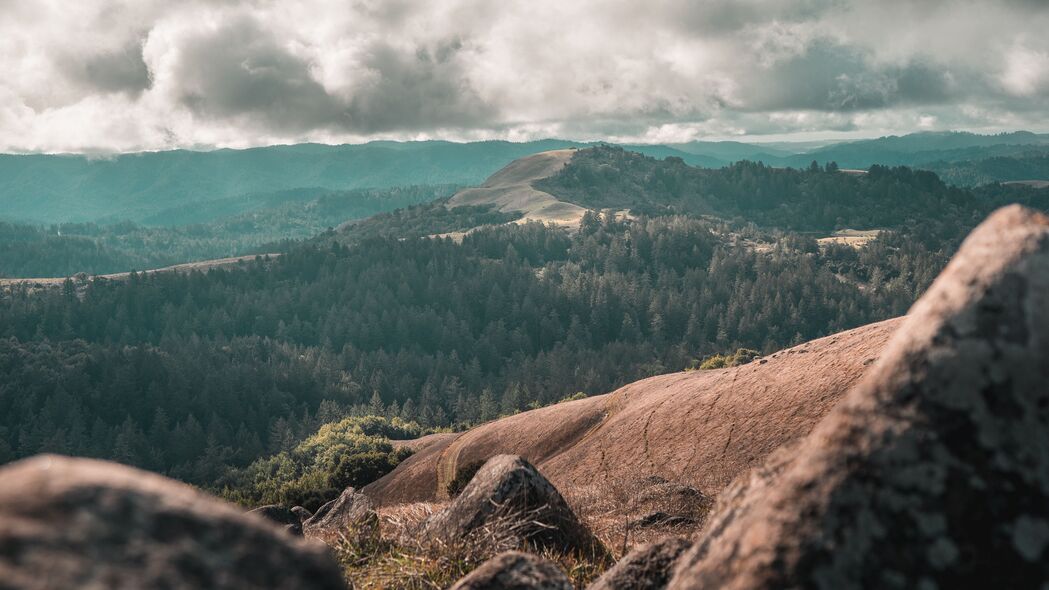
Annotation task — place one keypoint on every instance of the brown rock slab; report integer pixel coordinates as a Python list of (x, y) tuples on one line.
[(509, 497), (933, 472), (82, 523), (515, 570), (647, 567)]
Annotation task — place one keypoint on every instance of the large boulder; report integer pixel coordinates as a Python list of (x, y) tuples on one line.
[(508, 497), (515, 570), (81, 523), (351, 513), (647, 567), (933, 472)]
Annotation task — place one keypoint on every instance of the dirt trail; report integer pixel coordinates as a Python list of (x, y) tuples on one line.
[(700, 427), (201, 265)]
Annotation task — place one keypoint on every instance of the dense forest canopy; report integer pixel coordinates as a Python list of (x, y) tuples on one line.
[(218, 378)]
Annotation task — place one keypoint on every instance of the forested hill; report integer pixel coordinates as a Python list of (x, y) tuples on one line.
[(182, 187), (189, 374), (815, 198)]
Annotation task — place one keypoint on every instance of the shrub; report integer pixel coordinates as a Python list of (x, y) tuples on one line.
[(351, 452), (742, 356)]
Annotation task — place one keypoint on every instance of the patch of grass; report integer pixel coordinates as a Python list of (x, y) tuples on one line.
[(398, 557)]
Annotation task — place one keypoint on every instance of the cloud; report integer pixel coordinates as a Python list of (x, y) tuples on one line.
[(118, 75)]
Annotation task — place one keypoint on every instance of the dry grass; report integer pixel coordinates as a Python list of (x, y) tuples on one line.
[(609, 508), (851, 237), (201, 265), (396, 555)]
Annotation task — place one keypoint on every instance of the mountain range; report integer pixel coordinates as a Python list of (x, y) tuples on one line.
[(182, 187)]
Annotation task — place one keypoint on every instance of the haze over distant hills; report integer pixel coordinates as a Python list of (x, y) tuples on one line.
[(181, 187)]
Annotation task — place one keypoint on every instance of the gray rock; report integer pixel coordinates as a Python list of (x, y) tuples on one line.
[(509, 497), (301, 513), (647, 567), (933, 472), (288, 520), (514, 570), (81, 523), (352, 513)]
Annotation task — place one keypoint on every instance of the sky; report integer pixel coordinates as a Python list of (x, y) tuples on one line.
[(130, 75)]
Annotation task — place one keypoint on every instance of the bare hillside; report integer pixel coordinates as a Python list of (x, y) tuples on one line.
[(701, 427), (510, 189)]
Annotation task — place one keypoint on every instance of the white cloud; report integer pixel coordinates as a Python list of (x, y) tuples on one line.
[(148, 74)]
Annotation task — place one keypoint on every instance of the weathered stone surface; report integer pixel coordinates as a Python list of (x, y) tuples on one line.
[(647, 567), (933, 472), (81, 523), (352, 512), (288, 520), (301, 513), (508, 496), (514, 570)]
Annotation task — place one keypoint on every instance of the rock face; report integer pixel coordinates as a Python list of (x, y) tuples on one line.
[(80, 523), (509, 497), (514, 570), (647, 567), (933, 472), (288, 520), (351, 512)]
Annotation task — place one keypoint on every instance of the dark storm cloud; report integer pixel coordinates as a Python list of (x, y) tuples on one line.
[(831, 77), (243, 71), (416, 90), (240, 71), (116, 71)]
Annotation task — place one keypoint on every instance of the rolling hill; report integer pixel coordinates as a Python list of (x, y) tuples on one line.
[(699, 427), (510, 190)]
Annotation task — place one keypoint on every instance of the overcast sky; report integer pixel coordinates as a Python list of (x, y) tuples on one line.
[(125, 75)]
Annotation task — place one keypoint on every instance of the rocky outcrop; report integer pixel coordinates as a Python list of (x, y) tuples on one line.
[(509, 497), (350, 513), (287, 519), (647, 567), (81, 523), (515, 570), (933, 472)]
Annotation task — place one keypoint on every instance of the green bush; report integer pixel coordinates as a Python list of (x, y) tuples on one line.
[(742, 356), (351, 452)]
